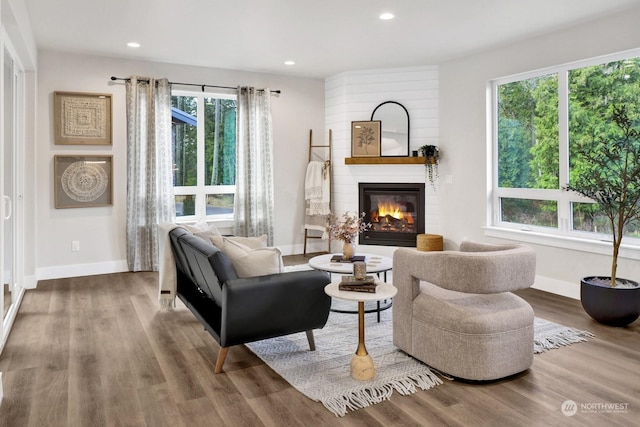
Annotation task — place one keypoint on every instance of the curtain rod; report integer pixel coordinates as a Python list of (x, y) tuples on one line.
[(126, 79)]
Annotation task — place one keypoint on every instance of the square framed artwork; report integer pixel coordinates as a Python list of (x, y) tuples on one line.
[(82, 118), (365, 138), (83, 181)]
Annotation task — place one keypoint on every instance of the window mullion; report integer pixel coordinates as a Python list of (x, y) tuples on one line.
[(564, 205), (200, 193), (492, 185)]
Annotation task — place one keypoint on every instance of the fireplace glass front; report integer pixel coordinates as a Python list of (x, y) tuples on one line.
[(395, 211)]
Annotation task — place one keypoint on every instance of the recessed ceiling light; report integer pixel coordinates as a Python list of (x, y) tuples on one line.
[(289, 63), (133, 44), (386, 16)]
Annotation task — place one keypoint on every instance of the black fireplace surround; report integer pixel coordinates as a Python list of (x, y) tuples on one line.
[(395, 210)]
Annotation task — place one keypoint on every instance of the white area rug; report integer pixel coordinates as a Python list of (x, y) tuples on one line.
[(324, 375), (549, 335)]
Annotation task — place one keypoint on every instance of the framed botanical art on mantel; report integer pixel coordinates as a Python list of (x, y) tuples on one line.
[(365, 138), (83, 181), (81, 118)]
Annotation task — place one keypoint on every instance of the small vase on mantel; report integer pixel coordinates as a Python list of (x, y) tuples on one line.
[(348, 250)]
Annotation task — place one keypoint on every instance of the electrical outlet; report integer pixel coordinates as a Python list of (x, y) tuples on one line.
[(75, 246)]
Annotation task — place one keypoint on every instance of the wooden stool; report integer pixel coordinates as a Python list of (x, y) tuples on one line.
[(429, 242)]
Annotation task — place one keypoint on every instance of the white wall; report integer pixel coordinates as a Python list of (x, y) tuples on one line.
[(101, 231), (463, 132), (353, 96)]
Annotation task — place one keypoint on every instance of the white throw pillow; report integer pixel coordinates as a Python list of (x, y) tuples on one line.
[(197, 227), (251, 242), (203, 230), (250, 262)]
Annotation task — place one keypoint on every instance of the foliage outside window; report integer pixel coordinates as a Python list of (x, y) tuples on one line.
[(540, 122), (204, 155)]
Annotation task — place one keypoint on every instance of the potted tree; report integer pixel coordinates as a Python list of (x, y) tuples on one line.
[(611, 177), (431, 154)]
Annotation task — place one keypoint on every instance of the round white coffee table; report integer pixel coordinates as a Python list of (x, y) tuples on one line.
[(375, 264), (362, 366)]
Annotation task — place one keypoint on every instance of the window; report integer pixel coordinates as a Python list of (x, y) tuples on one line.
[(539, 120), (204, 155)]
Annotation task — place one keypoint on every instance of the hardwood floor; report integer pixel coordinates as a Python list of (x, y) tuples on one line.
[(96, 351)]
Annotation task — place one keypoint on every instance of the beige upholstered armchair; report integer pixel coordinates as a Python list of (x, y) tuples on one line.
[(455, 311)]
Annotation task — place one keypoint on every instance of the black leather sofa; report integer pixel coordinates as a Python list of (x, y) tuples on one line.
[(241, 310)]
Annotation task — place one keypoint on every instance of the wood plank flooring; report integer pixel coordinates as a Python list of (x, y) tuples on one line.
[(96, 351)]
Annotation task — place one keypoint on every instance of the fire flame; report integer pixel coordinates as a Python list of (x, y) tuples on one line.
[(393, 210)]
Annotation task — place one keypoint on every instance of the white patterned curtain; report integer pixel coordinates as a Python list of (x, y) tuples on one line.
[(150, 199), (253, 207)]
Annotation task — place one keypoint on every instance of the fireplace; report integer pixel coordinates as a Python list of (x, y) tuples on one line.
[(395, 211)]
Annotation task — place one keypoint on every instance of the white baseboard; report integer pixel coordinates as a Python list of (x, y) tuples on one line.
[(312, 247), (547, 284), (30, 282), (558, 287), (288, 249), (10, 316), (77, 270)]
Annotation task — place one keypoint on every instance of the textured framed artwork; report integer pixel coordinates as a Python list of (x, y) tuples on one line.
[(365, 138), (82, 118), (83, 181)]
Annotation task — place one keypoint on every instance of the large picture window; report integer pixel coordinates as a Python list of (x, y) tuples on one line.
[(540, 120), (204, 155)]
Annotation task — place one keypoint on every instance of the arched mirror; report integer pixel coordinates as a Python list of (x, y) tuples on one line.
[(395, 128)]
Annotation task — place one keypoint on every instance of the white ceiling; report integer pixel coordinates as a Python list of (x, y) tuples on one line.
[(323, 37)]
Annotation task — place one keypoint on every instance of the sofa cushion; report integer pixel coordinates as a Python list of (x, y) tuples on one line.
[(248, 262)]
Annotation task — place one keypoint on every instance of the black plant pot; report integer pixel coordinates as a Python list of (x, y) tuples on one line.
[(611, 306)]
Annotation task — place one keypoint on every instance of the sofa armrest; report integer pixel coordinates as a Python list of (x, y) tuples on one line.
[(262, 307)]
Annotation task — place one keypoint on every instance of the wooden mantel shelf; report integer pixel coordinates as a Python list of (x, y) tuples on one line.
[(384, 160)]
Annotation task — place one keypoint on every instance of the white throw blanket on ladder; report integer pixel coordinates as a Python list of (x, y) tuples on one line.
[(317, 194)]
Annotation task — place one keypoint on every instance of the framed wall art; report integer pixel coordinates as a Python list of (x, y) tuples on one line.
[(83, 181), (365, 138), (82, 118)]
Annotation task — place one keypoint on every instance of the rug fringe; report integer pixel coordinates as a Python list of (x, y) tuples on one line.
[(376, 393), (564, 338)]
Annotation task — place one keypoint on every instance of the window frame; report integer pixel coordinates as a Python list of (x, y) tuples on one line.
[(201, 191), (563, 236)]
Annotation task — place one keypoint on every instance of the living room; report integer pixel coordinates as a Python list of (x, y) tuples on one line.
[(447, 102)]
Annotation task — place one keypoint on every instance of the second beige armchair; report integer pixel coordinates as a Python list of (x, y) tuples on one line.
[(455, 311)]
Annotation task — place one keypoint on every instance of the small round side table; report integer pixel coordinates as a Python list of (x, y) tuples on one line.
[(362, 366)]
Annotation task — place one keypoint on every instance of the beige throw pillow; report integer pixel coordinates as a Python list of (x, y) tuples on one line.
[(203, 230), (251, 242), (250, 262)]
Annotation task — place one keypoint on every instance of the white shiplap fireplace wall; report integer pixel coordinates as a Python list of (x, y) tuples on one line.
[(353, 96)]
